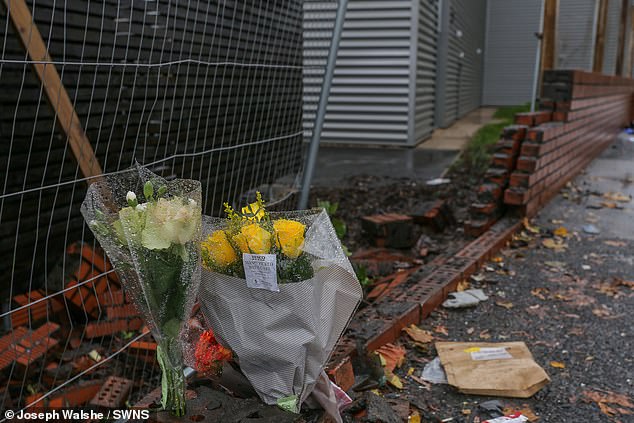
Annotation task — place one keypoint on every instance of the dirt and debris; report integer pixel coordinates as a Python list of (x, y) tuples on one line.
[(574, 319)]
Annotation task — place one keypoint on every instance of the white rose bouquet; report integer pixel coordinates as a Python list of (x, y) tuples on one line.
[(150, 229)]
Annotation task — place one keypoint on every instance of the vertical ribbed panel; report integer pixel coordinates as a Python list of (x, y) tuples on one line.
[(467, 21), (426, 50), (510, 51), (575, 38), (369, 99), (612, 37), (319, 18)]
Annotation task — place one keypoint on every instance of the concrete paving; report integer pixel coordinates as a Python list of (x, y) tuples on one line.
[(429, 160), (612, 172), (458, 135)]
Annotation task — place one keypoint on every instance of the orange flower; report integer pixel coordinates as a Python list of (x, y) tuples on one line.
[(210, 354)]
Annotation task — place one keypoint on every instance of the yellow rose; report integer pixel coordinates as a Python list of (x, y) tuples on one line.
[(289, 237), (219, 249), (253, 212), (253, 239)]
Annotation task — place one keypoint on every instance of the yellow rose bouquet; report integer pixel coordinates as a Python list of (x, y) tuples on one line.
[(253, 231), (278, 290)]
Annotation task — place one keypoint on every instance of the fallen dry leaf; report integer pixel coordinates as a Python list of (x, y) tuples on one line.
[(559, 265), (394, 380), (392, 356), (506, 304), (601, 312), (615, 243), (463, 285), (602, 399), (419, 335), (485, 334), (609, 205), (441, 329), (540, 293), (557, 365), (561, 231), (617, 196), (556, 245), (414, 418), (530, 228), (622, 282)]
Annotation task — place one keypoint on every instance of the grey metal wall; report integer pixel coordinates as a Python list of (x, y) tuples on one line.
[(576, 34), (462, 76), (612, 36), (510, 51), (369, 99), (426, 55)]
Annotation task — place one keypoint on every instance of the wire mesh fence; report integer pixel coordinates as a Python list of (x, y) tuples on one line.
[(209, 90)]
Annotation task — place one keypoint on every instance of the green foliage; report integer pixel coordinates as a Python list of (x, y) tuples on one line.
[(476, 156), (331, 208), (340, 226), (508, 112), (148, 190), (362, 275)]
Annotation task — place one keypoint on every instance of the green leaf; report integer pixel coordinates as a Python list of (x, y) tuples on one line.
[(340, 227), (148, 190), (161, 191), (289, 404)]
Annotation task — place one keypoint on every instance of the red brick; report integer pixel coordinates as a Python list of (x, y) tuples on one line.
[(515, 132), (389, 230), (113, 393), (519, 180), (476, 228), (485, 209), (533, 118), (489, 192), (530, 149), (496, 176), (515, 196), (342, 373), (526, 164), (503, 161)]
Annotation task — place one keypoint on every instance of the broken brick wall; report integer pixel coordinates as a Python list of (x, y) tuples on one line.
[(581, 114)]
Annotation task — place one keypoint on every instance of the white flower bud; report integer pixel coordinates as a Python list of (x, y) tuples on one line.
[(130, 196)]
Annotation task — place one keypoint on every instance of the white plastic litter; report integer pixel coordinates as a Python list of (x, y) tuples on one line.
[(468, 298), (434, 372), (438, 181)]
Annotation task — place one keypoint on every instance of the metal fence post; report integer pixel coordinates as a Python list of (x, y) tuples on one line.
[(313, 149), (538, 56)]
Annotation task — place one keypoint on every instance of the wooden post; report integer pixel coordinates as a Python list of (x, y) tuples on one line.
[(55, 91), (620, 54), (549, 38), (599, 42), (630, 66)]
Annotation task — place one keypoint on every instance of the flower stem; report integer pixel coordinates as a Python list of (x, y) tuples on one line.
[(172, 379)]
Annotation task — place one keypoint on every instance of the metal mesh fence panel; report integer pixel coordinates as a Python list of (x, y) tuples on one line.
[(208, 90)]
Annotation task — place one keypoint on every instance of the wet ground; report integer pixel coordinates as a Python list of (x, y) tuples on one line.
[(566, 293)]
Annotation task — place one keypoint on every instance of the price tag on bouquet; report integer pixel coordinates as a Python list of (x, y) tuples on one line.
[(260, 271)]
